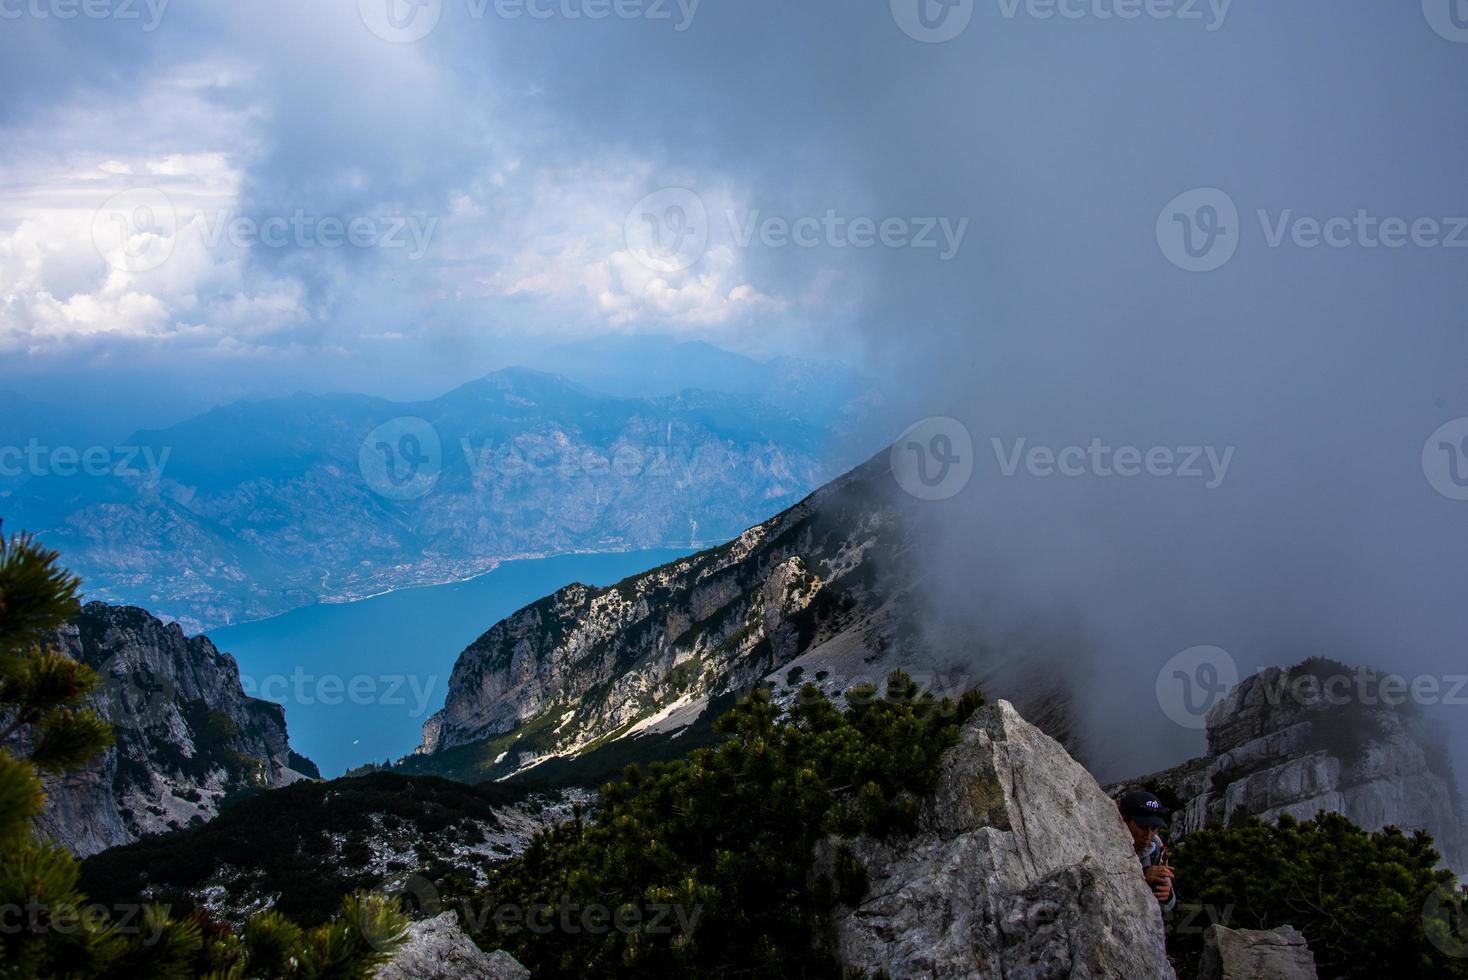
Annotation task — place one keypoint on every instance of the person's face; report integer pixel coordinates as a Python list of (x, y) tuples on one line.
[(1141, 836)]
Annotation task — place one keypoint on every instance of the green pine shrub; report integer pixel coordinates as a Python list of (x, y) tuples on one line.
[(51, 929), (1370, 904), (724, 838)]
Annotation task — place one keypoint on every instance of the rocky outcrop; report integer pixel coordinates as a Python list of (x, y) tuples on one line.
[(186, 736), (1256, 954), (1319, 736), (827, 592), (437, 949), (1020, 868)]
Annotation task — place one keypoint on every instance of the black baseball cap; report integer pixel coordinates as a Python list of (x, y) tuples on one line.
[(1146, 809)]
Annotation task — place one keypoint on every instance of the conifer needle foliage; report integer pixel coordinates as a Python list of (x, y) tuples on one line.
[(708, 859)]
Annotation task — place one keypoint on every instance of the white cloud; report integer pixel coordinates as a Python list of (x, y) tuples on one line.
[(155, 161)]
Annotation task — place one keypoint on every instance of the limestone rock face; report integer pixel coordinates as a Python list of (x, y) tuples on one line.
[(437, 949), (1256, 954), (827, 592), (186, 735), (1317, 737), (1020, 868)]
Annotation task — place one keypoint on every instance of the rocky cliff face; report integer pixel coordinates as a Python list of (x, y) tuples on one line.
[(825, 592), (1020, 869), (1319, 736), (187, 737)]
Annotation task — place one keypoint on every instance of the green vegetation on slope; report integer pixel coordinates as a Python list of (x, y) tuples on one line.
[(705, 862), (46, 727), (1370, 904)]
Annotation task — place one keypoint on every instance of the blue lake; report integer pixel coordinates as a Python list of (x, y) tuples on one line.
[(357, 679)]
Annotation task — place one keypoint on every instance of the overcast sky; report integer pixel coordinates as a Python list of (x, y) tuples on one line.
[(1052, 222)]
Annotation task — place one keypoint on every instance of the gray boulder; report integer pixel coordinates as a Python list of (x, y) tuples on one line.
[(1020, 869), (437, 949), (1256, 954)]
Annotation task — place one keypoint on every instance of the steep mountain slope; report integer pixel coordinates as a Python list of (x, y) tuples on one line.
[(187, 737), (829, 591), (259, 507)]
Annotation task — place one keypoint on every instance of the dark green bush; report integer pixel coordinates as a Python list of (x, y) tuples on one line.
[(1370, 904), (725, 837)]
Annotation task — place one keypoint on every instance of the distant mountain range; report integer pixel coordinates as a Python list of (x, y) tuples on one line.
[(258, 507)]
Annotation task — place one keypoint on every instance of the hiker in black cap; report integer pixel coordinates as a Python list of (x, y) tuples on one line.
[(1144, 815)]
